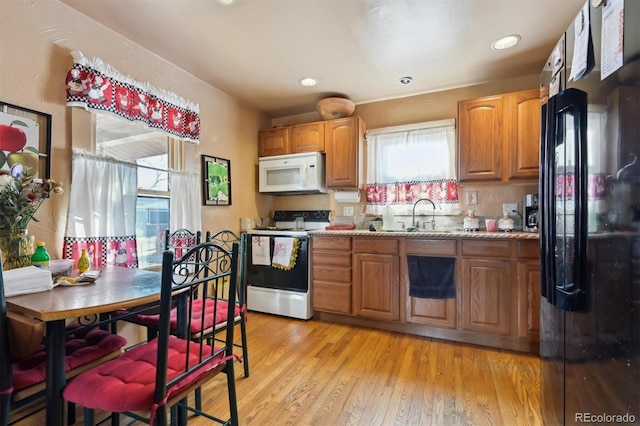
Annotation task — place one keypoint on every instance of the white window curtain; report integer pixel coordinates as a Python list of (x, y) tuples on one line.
[(185, 201), (406, 164), (102, 211)]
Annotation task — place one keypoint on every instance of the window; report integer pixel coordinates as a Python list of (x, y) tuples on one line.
[(150, 150), (406, 163)]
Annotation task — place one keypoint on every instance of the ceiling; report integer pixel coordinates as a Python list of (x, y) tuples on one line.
[(257, 50)]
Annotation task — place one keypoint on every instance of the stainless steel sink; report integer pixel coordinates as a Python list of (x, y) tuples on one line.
[(417, 231), (425, 230)]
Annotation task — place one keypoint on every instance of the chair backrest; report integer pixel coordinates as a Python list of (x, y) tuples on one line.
[(225, 239), (181, 240), (215, 267), (6, 375)]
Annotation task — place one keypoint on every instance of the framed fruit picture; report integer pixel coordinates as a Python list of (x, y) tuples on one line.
[(25, 141), (216, 187)]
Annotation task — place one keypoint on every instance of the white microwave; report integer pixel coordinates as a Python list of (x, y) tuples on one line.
[(291, 174)]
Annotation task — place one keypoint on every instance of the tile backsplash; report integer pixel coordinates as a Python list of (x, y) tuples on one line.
[(490, 199)]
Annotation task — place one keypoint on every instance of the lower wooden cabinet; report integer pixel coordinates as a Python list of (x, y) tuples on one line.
[(331, 274), (364, 281), (485, 303), (441, 313), (376, 278), (528, 290), (376, 286), (529, 300)]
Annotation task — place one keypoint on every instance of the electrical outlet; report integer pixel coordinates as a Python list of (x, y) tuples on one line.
[(347, 211), (509, 207), (472, 197)]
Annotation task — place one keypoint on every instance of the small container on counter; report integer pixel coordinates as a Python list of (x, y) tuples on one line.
[(471, 222), (506, 223), (40, 257)]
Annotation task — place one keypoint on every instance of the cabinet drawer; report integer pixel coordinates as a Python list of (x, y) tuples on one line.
[(375, 245), (486, 248), (431, 247), (331, 297), (329, 273), (331, 243), (331, 258), (528, 249)]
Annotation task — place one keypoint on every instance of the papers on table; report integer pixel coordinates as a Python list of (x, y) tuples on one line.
[(26, 280)]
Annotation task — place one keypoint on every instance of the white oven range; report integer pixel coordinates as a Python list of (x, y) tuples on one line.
[(274, 290)]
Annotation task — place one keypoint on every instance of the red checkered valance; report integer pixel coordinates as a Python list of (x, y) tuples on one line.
[(97, 86)]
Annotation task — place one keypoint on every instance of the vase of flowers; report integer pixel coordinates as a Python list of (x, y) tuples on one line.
[(21, 194), (16, 249)]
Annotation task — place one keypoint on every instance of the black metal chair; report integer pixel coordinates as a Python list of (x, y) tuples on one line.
[(22, 380), (214, 324), (226, 238), (172, 365), (179, 242)]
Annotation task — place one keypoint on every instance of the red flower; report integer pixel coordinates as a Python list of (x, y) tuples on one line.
[(32, 196)]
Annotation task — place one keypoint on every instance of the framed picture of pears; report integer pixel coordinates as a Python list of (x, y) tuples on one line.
[(25, 140)]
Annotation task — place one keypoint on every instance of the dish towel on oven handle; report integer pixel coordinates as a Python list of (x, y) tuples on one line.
[(260, 250), (285, 252)]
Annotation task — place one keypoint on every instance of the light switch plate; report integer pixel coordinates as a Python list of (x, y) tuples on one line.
[(509, 207), (472, 198), (347, 211)]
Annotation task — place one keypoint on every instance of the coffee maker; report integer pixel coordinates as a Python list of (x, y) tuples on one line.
[(530, 216)]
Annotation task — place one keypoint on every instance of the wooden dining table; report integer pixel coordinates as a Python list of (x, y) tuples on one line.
[(116, 288)]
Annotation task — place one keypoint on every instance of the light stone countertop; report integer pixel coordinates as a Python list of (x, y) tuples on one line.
[(518, 235)]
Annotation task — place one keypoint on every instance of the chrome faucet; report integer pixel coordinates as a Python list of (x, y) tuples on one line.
[(433, 217)]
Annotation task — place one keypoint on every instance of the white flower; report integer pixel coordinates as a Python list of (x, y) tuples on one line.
[(5, 180)]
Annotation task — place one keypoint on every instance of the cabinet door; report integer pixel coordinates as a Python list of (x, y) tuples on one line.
[(486, 296), (432, 312), (274, 142), (480, 138), (523, 129), (307, 137), (376, 290), (343, 143), (529, 300)]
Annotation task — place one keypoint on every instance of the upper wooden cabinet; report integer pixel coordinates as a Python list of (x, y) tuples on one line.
[(523, 134), (275, 141), (480, 138), (498, 137), (344, 140), (307, 137)]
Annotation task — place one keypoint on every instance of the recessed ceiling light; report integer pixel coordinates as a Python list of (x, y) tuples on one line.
[(405, 80), (506, 42), (308, 81), (226, 2)]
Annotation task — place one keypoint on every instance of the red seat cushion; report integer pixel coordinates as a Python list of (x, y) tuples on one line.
[(196, 315), (127, 383), (82, 346)]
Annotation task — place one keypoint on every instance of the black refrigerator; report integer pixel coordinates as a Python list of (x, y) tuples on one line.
[(590, 217)]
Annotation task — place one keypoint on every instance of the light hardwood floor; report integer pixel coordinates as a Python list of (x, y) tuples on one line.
[(318, 373)]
